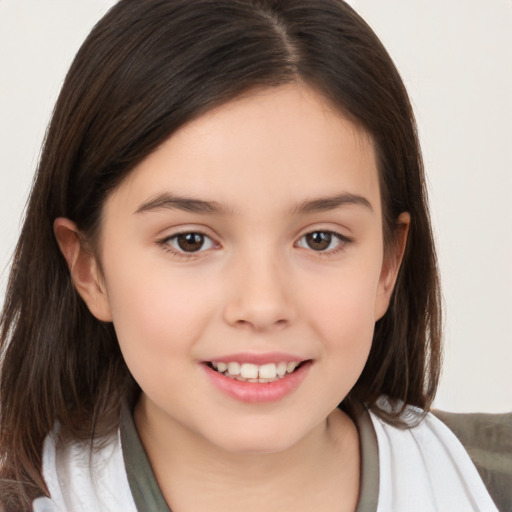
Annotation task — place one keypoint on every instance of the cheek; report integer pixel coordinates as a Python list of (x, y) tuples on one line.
[(342, 315), (157, 315), (344, 320)]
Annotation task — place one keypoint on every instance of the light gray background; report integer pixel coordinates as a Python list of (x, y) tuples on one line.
[(456, 60)]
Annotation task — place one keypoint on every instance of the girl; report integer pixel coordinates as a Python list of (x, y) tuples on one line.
[(225, 288)]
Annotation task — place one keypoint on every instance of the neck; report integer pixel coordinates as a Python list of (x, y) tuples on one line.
[(187, 465)]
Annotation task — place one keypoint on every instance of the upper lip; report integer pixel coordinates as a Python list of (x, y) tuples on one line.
[(258, 359)]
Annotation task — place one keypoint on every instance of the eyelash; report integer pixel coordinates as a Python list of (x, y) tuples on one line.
[(343, 241)]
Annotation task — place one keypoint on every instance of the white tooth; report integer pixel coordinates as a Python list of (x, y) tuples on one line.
[(214, 365), (249, 371), (281, 369), (268, 371), (291, 366), (252, 380), (263, 381), (221, 367), (234, 368)]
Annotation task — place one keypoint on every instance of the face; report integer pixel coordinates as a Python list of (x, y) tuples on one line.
[(248, 246)]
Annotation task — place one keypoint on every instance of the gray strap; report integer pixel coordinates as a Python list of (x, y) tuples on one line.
[(369, 491), (145, 490)]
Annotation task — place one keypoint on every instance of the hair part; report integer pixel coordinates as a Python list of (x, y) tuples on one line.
[(141, 74)]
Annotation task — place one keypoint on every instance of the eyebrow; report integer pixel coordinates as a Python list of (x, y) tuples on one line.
[(168, 201), (332, 202), (188, 204)]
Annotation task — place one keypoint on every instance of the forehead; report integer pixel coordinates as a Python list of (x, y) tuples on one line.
[(266, 150)]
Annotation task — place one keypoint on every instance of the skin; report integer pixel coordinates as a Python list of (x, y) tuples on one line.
[(255, 286)]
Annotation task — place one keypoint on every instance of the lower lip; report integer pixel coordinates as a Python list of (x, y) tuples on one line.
[(258, 392)]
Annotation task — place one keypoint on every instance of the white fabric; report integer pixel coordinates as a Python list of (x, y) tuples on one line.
[(426, 469), (83, 481), (422, 469)]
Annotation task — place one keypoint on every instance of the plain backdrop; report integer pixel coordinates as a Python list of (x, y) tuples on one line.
[(456, 60)]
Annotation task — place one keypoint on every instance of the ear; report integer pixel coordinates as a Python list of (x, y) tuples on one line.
[(83, 267), (391, 266)]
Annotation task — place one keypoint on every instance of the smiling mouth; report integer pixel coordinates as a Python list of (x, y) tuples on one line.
[(248, 372)]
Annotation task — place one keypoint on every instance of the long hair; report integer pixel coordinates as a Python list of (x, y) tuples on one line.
[(147, 68)]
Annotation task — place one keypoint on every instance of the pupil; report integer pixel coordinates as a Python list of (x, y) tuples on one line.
[(319, 240), (190, 242)]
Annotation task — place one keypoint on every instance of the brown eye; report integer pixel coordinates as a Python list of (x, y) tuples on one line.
[(190, 242), (319, 240), (323, 241)]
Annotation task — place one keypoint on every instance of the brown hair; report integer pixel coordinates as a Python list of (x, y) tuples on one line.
[(148, 67)]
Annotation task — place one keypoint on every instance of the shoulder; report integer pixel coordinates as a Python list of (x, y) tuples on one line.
[(488, 440), (84, 476), (425, 467)]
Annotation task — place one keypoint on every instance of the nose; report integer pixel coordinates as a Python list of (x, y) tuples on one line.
[(259, 295)]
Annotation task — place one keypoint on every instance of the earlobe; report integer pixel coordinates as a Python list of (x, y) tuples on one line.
[(83, 268), (391, 266)]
